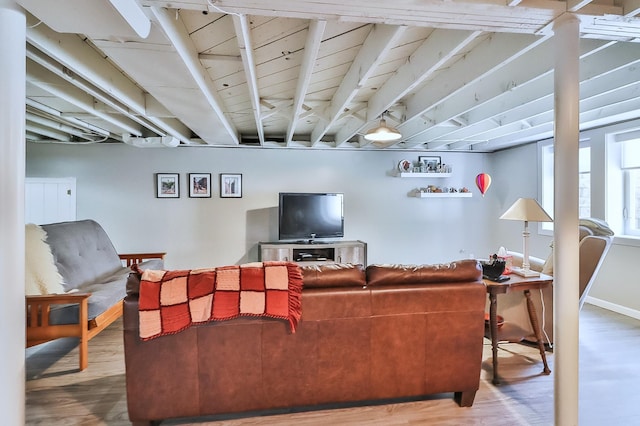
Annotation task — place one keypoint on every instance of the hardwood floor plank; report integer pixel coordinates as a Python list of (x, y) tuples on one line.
[(59, 394)]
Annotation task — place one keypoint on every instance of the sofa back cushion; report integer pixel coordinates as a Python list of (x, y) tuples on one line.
[(83, 252), (458, 271), (333, 275)]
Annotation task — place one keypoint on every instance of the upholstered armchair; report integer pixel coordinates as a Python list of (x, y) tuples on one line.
[(595, 240)]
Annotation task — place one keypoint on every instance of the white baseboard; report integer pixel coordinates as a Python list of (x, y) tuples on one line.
[(633, 313)]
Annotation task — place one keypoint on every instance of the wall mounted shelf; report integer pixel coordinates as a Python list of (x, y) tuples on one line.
[(443, 194), (423, 175), (416, 193)]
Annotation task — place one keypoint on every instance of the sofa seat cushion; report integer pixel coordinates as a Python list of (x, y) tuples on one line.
[(458, 271), (103, 296)]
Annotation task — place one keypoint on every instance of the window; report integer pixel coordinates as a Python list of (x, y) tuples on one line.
[(584, 181), (630, 166)]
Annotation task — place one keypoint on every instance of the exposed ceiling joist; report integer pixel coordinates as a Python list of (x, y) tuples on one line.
[(378, 43), (312, 45), (419, 67), (460, 74), (536, 97), (243, 35), (177, 34)]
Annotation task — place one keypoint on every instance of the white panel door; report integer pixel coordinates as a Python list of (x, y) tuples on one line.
[(50, 200)]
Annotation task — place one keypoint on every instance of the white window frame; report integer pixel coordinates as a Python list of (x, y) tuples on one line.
[(626, 169), (545, 188), (629, 203)]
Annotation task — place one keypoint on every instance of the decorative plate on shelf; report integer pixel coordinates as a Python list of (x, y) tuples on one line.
[(405, 166)]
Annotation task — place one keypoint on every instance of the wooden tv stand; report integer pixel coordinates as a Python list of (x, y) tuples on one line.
[(315, 252)]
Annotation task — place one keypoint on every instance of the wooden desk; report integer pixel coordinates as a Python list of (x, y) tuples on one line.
[(515, 283)]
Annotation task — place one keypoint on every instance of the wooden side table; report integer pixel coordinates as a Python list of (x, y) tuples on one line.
[(516, 283)]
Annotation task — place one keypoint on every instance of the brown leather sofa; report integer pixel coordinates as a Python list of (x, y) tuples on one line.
[(387, 332)]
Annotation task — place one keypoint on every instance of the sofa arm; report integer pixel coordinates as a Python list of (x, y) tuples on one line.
[(535, 263), (157, 264), (38, 308), (132, 258)]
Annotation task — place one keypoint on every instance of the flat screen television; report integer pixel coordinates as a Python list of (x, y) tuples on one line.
[(310, 215)]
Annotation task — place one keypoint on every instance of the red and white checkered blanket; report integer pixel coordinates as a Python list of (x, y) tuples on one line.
[(171, 301)]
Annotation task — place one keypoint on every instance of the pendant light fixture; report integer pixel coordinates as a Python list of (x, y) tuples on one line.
[(383, 133)]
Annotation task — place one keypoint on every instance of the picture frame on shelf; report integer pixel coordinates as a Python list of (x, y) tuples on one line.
[(230, 185), (200, 185), (431, 162), (167, 185)]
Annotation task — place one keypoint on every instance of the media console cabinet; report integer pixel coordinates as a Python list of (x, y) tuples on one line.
[(315, 252)]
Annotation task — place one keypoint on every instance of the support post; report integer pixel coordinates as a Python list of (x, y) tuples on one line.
[(566, 267), (12, 171)]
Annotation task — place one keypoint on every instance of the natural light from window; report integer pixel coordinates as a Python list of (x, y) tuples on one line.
[(584, 182), (630, 159)]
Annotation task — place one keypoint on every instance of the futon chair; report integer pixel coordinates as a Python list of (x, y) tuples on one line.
[(92, 282), (595, 240)]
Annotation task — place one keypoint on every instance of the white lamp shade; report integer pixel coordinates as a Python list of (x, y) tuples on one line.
[(526, 209), (382, 133)]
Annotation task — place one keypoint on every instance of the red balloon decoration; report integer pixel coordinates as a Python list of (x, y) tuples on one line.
[(483, 182)]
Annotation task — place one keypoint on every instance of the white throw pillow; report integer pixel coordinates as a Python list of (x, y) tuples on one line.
[(41, 273), (547, 268), (597, 226)]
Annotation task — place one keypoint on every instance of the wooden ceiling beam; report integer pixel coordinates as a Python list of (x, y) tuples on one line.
[(243, 35), (374, 49), (493, 54), (312, 45), (433, 53), (534, 102), (179, 38)]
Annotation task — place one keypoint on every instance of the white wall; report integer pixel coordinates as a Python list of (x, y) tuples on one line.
[(515, 175), (116, 187)]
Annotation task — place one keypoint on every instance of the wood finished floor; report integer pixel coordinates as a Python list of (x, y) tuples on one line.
[(58, 394)]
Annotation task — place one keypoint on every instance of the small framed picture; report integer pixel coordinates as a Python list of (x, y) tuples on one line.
[(200, 185), (230, 185), (431, 163), (167, 185)]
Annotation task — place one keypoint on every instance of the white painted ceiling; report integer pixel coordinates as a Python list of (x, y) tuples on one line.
[(450, 75)]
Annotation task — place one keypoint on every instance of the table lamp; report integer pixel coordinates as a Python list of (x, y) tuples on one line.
[(527, 210)]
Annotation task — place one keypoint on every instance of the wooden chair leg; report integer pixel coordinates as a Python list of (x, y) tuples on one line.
[(84, 335), (84, 354)]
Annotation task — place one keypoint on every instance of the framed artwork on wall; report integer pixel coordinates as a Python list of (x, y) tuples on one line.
[(167, 185), (230, 185), (431, 163), (200, 185)]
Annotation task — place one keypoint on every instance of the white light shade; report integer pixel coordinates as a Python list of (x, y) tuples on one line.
[(382, 133), (526, 209)]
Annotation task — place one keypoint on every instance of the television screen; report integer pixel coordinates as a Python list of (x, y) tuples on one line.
[(310, 215)]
